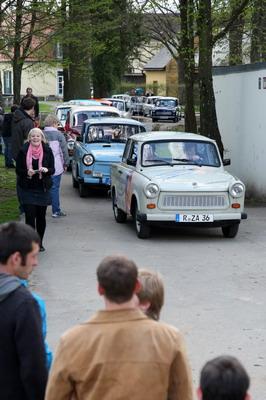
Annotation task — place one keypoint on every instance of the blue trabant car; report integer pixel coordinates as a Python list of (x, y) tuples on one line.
[(100, 144)]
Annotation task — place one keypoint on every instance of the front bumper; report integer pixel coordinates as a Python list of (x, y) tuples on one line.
[(219, 219)]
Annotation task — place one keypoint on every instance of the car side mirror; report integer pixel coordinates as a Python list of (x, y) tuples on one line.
[(131, 161), (226, 161)]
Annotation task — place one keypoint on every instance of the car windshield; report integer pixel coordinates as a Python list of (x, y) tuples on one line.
[(166, 103), (81, 116), (176, 152), (111, 133)]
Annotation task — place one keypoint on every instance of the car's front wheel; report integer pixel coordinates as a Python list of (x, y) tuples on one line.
[(83, 190), (230, 231), (143, 230), (120, 215)]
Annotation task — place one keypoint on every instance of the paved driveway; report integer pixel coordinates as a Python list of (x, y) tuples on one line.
[(215, 287)]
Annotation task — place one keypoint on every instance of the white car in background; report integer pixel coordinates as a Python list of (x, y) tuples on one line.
[(62, 109), (122, 106), (177, 179), (149, 105)]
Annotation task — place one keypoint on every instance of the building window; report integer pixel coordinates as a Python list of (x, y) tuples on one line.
[(264, 83), (7, 82), (155, 87), (58, 51), (60, 83), (259, 83)]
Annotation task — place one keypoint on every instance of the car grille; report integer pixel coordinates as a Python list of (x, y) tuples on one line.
[(163, 112), (197, 201)]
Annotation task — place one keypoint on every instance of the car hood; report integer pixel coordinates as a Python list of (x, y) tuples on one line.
[(189, 177), (105, 152)]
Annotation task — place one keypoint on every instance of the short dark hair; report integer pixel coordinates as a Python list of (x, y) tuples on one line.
[(16, 236), (117, 275), (224, 378), (14, 107), (28, 103)]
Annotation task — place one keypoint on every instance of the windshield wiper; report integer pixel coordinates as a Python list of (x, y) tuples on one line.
[(160, 160), (186, 160)]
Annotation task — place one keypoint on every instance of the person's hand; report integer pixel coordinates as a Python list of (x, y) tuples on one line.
[(31, 172), (44, 170)]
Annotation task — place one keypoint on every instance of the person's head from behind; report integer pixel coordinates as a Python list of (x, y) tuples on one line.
[(117, 279), (13, 108), (151, 293), (51, 121), (28, 105), (19, 248), (223, 378)]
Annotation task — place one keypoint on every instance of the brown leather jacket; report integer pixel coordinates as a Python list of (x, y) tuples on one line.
[(120, 355)]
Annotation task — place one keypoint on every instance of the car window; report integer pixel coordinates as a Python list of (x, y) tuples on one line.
[(133, 151), (179, 152), (61, 113), (110, 132), (126, 151)]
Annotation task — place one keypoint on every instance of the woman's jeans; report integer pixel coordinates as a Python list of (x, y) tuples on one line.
[(55, 193)]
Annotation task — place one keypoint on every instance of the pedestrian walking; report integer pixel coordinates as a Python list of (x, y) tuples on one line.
[(58, 144), (120, 353), (224, 378), (23, 371), (7, 133), (34, 167), (30, 95)]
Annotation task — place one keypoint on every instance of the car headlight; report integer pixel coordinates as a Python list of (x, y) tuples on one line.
[(88, 159), (151, 190), (237, 189), (70, 144)]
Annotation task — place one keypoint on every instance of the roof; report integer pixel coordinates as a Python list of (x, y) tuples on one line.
[(159, 61), (101, 108), (168, 135)]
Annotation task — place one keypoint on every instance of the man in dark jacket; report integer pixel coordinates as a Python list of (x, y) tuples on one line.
[(30, 95), (23, 372), (22, 123), (6, 133)]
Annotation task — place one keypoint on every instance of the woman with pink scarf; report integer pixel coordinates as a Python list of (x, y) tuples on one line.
[(34, 167)]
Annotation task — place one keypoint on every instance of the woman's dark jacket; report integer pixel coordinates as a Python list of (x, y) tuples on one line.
[(45, 183)]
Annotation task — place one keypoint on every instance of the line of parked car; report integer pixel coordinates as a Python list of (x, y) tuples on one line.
[(169, 178)]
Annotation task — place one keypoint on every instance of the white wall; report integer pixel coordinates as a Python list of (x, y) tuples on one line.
[(241, 112)]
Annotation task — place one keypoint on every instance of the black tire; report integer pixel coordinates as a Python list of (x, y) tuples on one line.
[(75, 183), (143, 230), (120, 215), (230, 231), (83, 190)]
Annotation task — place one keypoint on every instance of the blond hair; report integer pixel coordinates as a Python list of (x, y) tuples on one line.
[(152, 291), (36, 130)]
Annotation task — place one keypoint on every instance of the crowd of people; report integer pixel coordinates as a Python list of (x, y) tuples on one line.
[(39, 157), (121, 352)]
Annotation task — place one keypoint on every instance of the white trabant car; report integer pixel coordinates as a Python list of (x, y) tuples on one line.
[(176, 178)]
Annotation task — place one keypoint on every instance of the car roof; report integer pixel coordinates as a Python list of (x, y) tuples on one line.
[(168, 135), (84, 102), (167, 98), (113, 120), (94, 108)]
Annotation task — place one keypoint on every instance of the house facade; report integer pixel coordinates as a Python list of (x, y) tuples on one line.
[(44, 79), (162, 74)]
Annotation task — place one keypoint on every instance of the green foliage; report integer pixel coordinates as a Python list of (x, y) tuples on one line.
[(8, 198)]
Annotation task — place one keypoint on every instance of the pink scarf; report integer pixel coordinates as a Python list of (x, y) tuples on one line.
[(36, 153)]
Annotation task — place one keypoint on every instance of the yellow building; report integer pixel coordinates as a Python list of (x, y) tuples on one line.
[(162, 74)]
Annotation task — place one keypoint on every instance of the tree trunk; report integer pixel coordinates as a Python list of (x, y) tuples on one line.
[(235, 41), (208, 118), (258, 32), (187, 59), (17, 72)]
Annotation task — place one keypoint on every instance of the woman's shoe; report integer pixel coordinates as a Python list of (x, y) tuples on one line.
[(42, 248)]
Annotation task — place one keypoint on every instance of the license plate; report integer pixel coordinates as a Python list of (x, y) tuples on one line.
[(194, 218), (97, 174)]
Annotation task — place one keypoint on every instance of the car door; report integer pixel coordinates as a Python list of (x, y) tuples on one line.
[(125, 172)]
